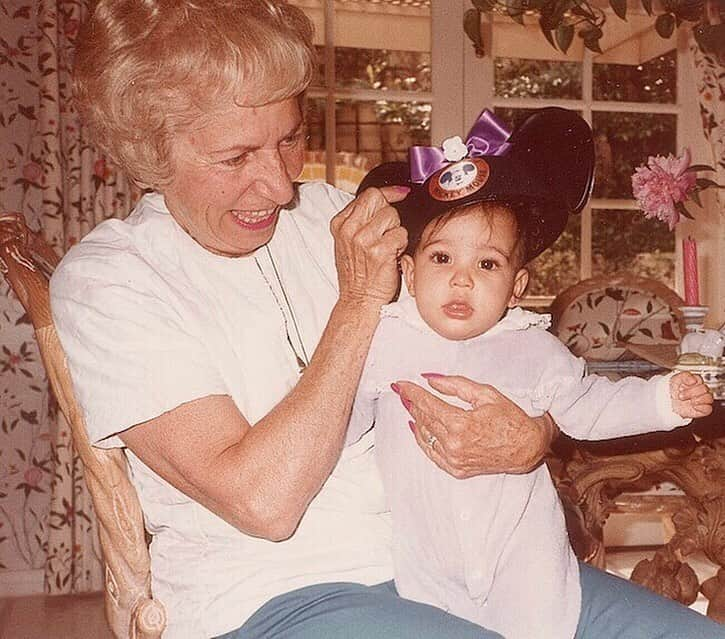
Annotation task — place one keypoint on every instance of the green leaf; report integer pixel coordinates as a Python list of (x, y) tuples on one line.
[(516, 15), (695, 196), (583, 12), (472, 28), (593, 44), (706, 183), (698, 167), (564, 36), (647, 5), (665, 25), (547, 32), (557, 14), (605, 328), (619, 7), (690, 10), (683, 211)]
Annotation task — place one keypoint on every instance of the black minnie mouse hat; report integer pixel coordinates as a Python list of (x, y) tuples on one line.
[(545, 168)]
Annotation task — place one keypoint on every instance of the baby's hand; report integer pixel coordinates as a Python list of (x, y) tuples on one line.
[(690, 396)]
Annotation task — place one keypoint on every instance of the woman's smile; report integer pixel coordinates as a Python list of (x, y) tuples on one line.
[(255, 220)]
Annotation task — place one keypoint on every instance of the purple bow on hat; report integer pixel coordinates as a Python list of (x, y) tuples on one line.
[(487, 136)]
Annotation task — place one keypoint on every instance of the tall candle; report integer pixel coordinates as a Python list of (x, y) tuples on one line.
[(689, 262)]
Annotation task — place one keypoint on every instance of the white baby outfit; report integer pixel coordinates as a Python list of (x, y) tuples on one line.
[(492, 549), (149, 320)]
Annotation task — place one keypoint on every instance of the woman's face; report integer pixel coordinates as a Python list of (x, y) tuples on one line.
[(233, 170)]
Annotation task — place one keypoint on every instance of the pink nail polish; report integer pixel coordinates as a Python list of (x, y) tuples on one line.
[(411, 425), (402, 189), (406, 402), (395, 387), (430, 375)]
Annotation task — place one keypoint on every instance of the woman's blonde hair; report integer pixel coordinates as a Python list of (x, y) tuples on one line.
[(146, 68)]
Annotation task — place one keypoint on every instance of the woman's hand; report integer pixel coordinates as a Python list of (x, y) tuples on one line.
[(493, 436), (368, 241)]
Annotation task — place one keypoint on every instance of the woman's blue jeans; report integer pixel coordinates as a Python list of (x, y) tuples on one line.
[(612, 608)]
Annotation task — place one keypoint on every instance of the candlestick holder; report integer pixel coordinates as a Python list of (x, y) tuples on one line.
[(692, 318)]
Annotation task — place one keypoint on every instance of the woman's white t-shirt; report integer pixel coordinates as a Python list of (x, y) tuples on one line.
[(149, 320)]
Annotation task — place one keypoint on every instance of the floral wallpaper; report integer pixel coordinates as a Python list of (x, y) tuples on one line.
[(710, 78), (51, 174), (25, 448)]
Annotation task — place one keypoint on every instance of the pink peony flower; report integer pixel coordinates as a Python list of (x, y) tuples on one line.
[(662, 184)]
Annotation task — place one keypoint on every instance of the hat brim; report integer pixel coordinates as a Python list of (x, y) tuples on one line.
[(550, 165)]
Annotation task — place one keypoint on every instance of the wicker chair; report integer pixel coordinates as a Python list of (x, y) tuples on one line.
[(27, 262)]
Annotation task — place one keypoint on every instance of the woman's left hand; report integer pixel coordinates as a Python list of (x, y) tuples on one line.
[(493, 436)]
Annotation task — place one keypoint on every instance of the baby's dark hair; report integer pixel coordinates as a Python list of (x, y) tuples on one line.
[(528, 235)]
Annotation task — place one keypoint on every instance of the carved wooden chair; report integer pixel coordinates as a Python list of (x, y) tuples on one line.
[(597, 319), (27, 262)]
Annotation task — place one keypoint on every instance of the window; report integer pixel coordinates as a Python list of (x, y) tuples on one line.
[(634, 107), (373, 95), (400, 72)]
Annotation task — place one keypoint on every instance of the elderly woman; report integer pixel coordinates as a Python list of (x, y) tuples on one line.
[(218, 333)]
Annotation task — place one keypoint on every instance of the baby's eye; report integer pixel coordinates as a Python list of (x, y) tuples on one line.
[(440, 258), (487, 265)]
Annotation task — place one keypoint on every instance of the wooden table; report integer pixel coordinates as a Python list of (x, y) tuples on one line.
[(596, 479)]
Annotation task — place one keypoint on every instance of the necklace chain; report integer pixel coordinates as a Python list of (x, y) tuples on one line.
[(304, 360)]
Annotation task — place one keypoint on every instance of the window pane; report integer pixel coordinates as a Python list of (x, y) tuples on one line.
[(381, 130), (651, 81), (382, 69), (627, 241), (623, 141), (319, 78), (512, 117), (519, 78), (315, 115), (557, 267)]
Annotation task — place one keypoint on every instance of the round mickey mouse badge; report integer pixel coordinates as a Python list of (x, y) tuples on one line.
[(458, 180)]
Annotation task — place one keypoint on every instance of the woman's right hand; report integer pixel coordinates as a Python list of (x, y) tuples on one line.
[(368, 241)]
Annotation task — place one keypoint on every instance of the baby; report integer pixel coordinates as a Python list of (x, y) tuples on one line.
[(494, 549)]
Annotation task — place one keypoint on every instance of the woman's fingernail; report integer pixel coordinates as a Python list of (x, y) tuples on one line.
[(401, 189), (395, 387), (406, 402), (429, 375), (411, 425)]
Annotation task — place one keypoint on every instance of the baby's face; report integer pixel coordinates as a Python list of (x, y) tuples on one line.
[(466, 272)]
